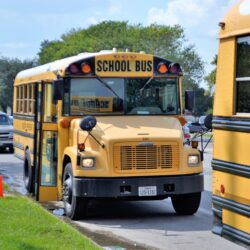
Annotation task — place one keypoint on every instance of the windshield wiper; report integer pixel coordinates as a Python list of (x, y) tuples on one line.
[(108, 87), (145, 85)]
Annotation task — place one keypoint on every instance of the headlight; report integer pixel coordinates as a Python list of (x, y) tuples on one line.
[(88, 162), (193, 160)]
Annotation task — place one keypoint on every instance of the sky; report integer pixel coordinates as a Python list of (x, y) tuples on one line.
[(24, 24)]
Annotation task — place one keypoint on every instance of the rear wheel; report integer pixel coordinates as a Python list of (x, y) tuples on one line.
[(11, 149), (75, 207), (28, 173), (186, 204)]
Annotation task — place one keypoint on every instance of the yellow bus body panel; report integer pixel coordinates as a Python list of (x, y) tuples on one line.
[(224, 101), (238, 221), (232, 146), (236, 187), (48, 193), (236, 23)]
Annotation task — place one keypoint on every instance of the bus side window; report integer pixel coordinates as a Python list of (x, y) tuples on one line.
[(243, 75), (49, 158), (49, 108)]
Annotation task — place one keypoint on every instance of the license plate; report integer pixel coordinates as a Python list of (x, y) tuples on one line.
[(147, 191)]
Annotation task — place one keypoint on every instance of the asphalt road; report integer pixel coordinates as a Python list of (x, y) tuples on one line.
[(146, 224)]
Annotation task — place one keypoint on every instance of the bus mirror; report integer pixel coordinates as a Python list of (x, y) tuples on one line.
[(208, 121), (189, 100), (57, 91), (88, 123)]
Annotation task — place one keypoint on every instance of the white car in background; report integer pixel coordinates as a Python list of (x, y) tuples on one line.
[(6, 133)]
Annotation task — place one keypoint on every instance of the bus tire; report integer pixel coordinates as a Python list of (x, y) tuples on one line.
[(75, 207), (186, 204), (28, 172), (11, 149)]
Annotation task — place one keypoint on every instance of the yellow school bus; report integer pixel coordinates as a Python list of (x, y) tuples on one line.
[(105, 125), (231, 126)]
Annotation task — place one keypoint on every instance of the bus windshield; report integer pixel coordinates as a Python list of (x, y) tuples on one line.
[(135, 96)]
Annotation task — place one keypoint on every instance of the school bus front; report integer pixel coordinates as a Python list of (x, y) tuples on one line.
[(119, 133)]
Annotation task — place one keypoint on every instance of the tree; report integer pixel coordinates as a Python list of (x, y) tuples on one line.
[(160, 40), (8, 71), (211, 77)]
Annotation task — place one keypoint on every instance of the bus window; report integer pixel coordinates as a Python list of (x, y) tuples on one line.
[(243, 75), (49, 108), (96, 96), (49, 158), (152, 96)]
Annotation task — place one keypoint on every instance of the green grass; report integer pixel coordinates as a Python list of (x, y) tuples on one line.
[(26, 225), (5, 188)]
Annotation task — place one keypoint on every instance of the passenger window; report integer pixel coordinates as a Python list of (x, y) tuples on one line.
[(49, 108), (49, 158), (243, 75)]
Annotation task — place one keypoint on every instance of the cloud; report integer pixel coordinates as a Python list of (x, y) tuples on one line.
[(115, 8), (14, 45), (180, 12), (92, 21), (190, 13)]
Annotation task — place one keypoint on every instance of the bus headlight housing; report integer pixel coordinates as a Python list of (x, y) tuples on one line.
[(193, 160), (88, 162)]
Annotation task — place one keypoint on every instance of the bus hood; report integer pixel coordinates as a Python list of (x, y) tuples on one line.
[(113, 128)]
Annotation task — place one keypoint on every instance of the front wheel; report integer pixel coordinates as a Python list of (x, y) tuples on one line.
[(75, 207), (186, 204)]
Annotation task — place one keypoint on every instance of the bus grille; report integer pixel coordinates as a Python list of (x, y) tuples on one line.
[(155, 157)]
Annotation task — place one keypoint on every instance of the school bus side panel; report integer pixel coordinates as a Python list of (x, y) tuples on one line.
[(224, 92)]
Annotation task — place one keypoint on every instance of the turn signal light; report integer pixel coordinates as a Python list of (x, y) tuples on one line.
[(174, 68), (81, 146), (65, 123), (73, 69), (86, 69), (162, 68), (194, 144), (182, 120), (222, 188)]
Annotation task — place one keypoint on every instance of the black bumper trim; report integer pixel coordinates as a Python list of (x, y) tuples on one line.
[(231, 205), (231, 168), (112, 187), (236, 234)]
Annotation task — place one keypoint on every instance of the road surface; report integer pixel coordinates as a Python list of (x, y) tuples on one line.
[(146, 224)]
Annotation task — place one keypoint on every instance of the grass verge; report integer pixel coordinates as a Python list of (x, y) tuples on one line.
[(25, 225)]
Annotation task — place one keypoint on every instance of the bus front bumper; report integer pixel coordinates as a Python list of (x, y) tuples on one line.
[(138, 187)]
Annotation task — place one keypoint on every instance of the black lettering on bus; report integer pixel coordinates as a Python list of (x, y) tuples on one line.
[(137, 66), (99, 66), (105, 66), (123, 66), (111, 65), (143, 66), (117, 66), (128, 66), (149, 66)]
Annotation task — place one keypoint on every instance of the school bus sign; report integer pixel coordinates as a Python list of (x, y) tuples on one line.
[(130, 64)]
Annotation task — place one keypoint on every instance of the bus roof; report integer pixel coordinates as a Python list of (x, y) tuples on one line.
[(236, 21), (50, 71)]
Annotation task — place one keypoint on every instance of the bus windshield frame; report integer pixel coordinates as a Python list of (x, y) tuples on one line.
[(122, 96)]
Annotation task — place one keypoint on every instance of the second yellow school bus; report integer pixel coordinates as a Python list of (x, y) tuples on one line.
[(231, 127), (105, 125)]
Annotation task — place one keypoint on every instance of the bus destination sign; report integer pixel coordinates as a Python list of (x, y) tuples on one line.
[(124, 64)]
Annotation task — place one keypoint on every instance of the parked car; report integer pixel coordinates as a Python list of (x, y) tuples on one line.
[(197, 126), (6, 133), (11, 119)]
